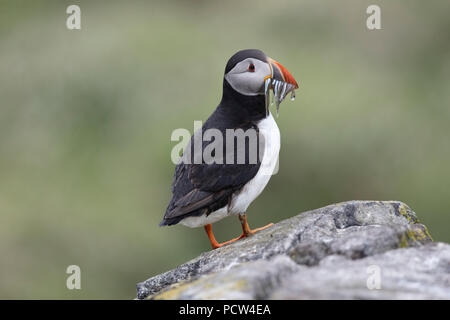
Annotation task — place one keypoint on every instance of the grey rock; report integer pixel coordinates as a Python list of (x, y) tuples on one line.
[(237, 283), (411, 273), (275, 262)]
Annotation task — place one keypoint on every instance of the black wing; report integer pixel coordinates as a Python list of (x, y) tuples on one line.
[(203, 188)]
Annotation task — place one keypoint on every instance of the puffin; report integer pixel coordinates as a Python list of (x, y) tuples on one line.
[(205, 191)]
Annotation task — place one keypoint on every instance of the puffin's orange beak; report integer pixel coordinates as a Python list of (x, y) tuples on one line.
[(281, 73)]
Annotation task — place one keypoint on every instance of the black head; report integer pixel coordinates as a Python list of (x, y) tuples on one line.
[(246, 78), (247, 70)]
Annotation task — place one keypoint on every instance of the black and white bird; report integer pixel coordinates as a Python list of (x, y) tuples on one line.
[(205, 192)]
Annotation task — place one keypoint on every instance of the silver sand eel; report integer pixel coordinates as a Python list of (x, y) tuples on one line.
[(280, 90)]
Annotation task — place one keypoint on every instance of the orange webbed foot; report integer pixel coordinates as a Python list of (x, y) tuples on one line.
[(246, 228), (213, 240)]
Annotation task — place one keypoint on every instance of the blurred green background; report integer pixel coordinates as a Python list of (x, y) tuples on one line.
[(86, 118)]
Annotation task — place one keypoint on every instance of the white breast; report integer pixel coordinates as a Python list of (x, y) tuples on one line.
[(243, 198)]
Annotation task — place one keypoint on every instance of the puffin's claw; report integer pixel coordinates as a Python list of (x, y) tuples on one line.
[(246, 228), (246, 232)]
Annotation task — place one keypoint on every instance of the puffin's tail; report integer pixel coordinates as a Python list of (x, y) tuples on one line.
[(170, 221), (163, 223)]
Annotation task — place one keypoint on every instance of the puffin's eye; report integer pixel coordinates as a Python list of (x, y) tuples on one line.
[(251, 67)]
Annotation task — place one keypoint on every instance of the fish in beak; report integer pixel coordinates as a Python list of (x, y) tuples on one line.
[(281, 82)]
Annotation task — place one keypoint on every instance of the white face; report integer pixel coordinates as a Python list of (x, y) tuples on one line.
[(247, 77)]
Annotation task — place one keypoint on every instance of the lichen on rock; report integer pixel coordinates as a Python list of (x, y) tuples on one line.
[(336, 242)]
